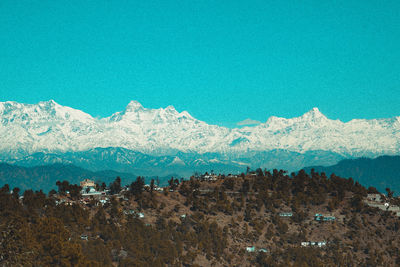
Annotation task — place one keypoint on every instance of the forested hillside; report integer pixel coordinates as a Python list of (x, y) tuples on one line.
[(258, 219)]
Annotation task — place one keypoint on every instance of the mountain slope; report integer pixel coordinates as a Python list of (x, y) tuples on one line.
[(380, 172), (50, 127)]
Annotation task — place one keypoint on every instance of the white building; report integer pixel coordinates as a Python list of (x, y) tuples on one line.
[(374, 197), (89, 189), (319, 244)]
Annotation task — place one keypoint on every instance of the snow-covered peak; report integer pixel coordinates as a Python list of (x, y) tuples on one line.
[(170, 108), (49, 103), (309, 119), (135, 113), (313, 114), (168, 113), (273, 119), (131, 112), (134, 106), (43, 111)]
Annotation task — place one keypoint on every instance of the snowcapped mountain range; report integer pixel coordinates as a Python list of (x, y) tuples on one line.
[(49, 127)]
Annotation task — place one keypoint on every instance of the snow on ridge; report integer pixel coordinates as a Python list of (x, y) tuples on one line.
[(48, 126)]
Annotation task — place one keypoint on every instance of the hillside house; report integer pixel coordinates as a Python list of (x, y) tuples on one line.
[(209, 177), (319, 244), (286, 214), (385, 206), (132, 212), (321, 217), (374, 197), (253, 249), (89, 189), (129, 212), (395, 209), (158, 189), (250, 249)]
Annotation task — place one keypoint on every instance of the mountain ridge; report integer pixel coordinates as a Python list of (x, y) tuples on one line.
[(51, 127), (380, 172)]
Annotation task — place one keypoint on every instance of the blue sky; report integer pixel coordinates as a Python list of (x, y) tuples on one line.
[(222, 61)]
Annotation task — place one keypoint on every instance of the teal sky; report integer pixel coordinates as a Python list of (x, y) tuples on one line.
[(222, 61)]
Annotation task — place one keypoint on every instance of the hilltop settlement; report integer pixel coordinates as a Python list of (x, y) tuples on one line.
[(257, 218)]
